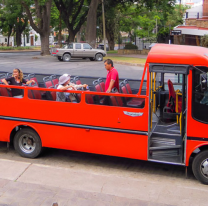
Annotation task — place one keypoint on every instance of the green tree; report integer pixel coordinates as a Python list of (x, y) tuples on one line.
[(74, 14), (204, 40), (41, 10)]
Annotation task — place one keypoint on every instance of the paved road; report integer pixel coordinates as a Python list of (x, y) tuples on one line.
[(32, 62)]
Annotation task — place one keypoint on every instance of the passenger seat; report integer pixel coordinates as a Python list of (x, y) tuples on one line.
[(131, 102)]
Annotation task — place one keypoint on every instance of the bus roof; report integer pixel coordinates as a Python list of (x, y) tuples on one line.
[(178, 54)]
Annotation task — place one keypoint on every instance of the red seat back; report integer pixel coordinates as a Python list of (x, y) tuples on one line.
[(77, 80), (47, 81), (172, 99), (36, 93), (54, 79), (4, 92), (52, 93), (127, 86), (89, 99), (32, 77), (115, 100), (171, 90), (97, 86), (30, 94), (102, 84)]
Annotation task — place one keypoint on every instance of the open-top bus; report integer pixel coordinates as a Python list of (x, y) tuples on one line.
[(165, 121)]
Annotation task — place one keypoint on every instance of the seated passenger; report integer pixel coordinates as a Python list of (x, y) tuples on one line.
[(64, 84), (17, 80)]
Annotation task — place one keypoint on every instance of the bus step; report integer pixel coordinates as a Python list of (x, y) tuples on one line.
[(157, 141), (172, 147), (164, 153)]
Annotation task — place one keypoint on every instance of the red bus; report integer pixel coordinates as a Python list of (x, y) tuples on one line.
[(165, 122)]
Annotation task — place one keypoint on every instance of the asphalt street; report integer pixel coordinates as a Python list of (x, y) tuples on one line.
[(32, 62)]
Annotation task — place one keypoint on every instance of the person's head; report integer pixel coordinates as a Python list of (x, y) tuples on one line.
[(64, 79), (17, 73), (108, 64)]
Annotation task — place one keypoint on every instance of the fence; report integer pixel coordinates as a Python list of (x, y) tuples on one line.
[(141, 43)]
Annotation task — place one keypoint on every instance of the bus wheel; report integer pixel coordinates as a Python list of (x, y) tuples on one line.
[(200, 167), (27, 143)]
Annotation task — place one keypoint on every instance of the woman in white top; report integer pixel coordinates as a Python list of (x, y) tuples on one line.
[(65, 84)]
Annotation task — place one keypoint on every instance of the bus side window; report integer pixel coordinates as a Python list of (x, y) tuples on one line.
[(200, 95)]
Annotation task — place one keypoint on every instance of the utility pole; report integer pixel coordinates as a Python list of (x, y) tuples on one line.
[(103, 13)]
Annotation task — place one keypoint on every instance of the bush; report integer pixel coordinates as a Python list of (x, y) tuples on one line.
[(130, 46), (15, 48), (204, 40)]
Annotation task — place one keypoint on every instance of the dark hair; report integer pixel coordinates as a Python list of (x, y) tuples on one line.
[(109, 61)]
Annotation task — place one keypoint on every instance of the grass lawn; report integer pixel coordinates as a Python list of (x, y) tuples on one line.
[(19, 48), (127, 59), (112, 52)]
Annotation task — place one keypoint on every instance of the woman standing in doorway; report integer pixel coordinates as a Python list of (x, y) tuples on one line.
[(17, 80)]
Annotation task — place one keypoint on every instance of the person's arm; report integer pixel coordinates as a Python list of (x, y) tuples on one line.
[(30, 81), (110, 86), (80, 85), (5, 81), (65, 87)]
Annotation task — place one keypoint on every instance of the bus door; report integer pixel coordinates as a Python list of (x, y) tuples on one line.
[(167, 113), (197, 136)]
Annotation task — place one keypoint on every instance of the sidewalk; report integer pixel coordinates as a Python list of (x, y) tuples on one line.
[(28, 184)]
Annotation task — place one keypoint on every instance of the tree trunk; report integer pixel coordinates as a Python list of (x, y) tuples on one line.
[(18, 37), (91, 30), (43, 13), (8, 39), (110, 38), (71, 35), (44, 44)]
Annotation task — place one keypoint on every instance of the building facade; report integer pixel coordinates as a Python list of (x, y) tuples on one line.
[(195, 25)]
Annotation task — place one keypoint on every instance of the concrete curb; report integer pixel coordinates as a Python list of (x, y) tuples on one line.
[(129, 64)]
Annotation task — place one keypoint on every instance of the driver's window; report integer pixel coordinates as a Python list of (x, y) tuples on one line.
[(200, 94), (86, 46), (70, 46), (176, 79)]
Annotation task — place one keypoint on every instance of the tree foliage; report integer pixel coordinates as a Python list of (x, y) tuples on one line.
[(73, 13), (41, 10)]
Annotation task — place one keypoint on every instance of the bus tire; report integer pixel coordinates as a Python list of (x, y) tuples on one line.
[(27, 143), (200, 167)]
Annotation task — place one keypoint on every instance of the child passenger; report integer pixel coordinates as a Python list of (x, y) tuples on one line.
[(64, 85), (17, 80)]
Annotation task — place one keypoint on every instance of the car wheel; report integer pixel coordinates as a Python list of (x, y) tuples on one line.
[(99, 57), (66, 57), (60, 59), (27, 143), (200, 167), (92, 59)]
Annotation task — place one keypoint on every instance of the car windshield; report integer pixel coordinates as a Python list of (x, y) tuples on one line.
[(65, 46)]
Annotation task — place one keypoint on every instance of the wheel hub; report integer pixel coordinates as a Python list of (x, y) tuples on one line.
[(204, 168), (27, 143)]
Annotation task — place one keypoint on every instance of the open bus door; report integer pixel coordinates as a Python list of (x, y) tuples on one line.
[(167, 113)]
